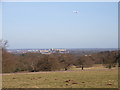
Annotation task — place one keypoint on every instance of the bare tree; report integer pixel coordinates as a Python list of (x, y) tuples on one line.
[(3, 43)]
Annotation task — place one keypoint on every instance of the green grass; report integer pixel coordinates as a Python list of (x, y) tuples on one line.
[(71, 79)]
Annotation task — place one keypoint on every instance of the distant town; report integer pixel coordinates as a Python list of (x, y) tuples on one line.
[(42, 51), (82, 51)]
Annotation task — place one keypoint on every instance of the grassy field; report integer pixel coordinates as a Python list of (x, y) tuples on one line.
[(89, 78)]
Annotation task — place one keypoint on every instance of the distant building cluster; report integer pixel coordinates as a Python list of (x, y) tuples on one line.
[(42, 51)]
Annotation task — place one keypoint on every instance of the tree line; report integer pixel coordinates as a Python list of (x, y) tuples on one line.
[(34, 62)]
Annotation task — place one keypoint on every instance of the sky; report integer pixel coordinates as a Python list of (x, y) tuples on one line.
[(0, 20), (55, 25)]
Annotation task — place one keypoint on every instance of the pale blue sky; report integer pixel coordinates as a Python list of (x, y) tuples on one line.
[(0, 20), (54, 25)]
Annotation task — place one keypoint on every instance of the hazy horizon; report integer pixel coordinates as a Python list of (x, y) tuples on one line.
[(64, 48)]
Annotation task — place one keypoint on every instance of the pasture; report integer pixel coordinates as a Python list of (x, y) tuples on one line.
[(96, 77)]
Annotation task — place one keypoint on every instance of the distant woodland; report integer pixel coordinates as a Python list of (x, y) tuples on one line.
[(35, 62)]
